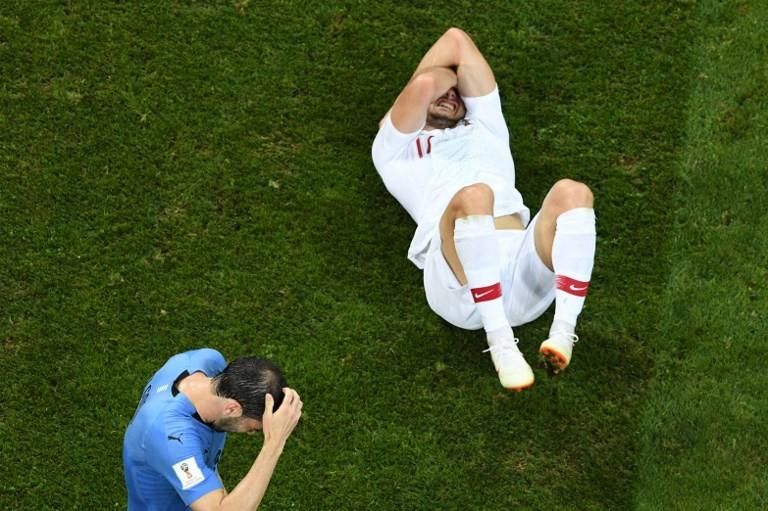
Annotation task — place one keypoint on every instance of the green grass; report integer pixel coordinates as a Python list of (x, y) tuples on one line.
[(704, 437), (178, 174)]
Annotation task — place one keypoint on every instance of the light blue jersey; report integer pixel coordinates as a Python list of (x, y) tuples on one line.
[(169, 454)]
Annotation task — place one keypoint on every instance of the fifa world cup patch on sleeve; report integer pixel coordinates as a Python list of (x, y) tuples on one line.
[(189, 473)]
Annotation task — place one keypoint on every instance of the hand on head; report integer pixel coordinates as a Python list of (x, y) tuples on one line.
[(279, 425)]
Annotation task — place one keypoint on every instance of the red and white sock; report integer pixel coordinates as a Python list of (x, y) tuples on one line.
[(573, 256), (478, 251)]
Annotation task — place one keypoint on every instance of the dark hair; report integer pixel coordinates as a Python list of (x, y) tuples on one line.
[(248, 380)]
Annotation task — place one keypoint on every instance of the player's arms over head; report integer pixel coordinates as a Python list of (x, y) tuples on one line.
[(410, 109), (456, 50), (247, 495), (453, 61)]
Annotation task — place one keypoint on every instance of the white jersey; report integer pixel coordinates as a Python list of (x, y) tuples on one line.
[(424, 170)]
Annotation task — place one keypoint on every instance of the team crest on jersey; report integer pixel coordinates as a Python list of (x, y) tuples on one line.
[(189, 473)]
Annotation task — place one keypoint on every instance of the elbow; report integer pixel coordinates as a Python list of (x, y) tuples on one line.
[(463, 45), (458, 37), (456, 33)]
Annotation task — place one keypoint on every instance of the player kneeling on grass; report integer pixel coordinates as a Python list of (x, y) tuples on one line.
[(173, 444), (443, 152)]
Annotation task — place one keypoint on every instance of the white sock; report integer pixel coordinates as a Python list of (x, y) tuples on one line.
[(478, 251), (573, 255), (561, 326)]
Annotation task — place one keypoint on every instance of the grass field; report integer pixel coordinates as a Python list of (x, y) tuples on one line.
[(184, 173)]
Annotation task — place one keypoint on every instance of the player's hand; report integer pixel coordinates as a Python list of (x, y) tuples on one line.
[(279, 425)]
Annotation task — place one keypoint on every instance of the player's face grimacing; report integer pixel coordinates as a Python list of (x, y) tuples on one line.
[(237, 425), (446, 110)]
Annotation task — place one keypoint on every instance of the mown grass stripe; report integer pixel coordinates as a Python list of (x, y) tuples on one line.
[(704, 436)]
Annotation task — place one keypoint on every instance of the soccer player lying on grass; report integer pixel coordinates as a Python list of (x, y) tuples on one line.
[(173, 444), (443, 152)]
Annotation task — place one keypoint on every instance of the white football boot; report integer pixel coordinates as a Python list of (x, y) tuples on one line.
[(514, 372), (556, 351)]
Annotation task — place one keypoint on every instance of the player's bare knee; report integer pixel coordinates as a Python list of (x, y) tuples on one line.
[(570, 194), (580, 195), (473, 199)]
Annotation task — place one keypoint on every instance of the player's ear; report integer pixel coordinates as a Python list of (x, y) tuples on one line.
[(232, 408)]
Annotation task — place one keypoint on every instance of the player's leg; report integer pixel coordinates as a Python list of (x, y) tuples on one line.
[(471, 249), (565, 241)]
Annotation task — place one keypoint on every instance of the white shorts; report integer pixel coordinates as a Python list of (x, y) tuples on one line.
[(528, 286)]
